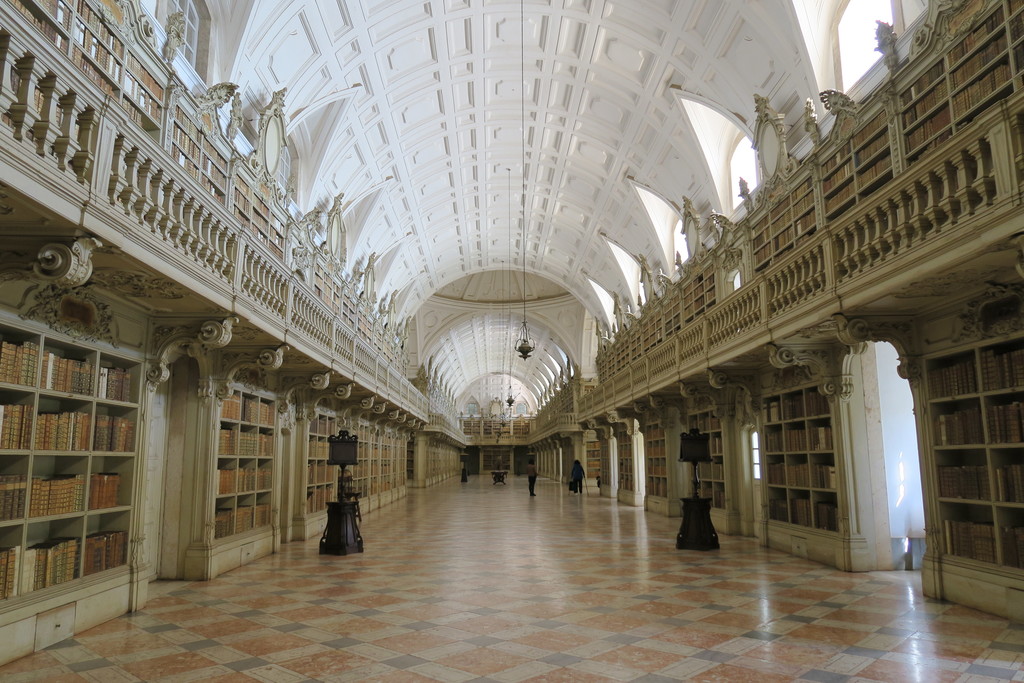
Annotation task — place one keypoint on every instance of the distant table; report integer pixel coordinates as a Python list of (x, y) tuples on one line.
[(498, 476)]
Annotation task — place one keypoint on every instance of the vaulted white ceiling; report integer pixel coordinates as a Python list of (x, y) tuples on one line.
[(448, 110)]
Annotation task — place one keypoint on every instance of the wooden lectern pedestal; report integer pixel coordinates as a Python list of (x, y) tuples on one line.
[(697, 532)]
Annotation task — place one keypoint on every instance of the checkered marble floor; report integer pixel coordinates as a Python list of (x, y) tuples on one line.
[(480, 582)]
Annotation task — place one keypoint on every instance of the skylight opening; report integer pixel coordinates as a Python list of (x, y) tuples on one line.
[(856, 33)]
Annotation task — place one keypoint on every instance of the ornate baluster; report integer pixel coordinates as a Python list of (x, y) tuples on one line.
[(82, 161), (21, 109), (65, 145)]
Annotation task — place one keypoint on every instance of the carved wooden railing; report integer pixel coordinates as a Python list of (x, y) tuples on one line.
[(58, 125)]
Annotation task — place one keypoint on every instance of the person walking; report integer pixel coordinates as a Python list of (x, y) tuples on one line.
[(576, 477), (531, 476)]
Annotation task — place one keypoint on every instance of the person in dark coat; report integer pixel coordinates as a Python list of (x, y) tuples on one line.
[(576, 477), (531, 476)]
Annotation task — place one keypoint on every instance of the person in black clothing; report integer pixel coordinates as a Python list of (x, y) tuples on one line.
[(576, 477), (531, 476)]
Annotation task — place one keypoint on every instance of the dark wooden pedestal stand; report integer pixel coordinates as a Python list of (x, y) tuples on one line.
[(341, 537), (696, 531)]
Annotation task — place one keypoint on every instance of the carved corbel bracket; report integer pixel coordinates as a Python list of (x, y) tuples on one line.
[(820, 362), (367, 403), (380, 407), (344, 391), (320, 381), (63, 265), (855, 332), (212, 334)]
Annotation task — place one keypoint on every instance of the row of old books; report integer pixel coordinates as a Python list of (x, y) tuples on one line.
[(826, 516), (66, 374), (57, 496), (12, 496), (49, 563), (63, 431), (958, 428), (1010, 483), (18, 362), (105, 550), (952, 380), (115, 384), (9, 562), (974, 540), (231, 407), (964, 481), (823, 476), (114, 433), (104, 490), (16, 426), (318, 450), (1002, 368), (317, 498), (800, 511), (1012, 539), (320, 472), (257, 411), (1006, 423), (249, 444)]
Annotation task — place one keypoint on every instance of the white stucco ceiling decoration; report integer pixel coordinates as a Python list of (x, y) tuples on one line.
[(439, 110)]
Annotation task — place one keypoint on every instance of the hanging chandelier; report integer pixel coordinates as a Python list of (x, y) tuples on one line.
[(524, 345)]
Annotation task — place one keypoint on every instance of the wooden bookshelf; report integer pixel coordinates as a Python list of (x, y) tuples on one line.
[(321, 478), (625, 473), (131, 79), (976, 418), (791, 218), (872, 155), (194, 152), (245, 463), (799, 459), (68, 416), (698, 293), (712, 474), (592, 466), (657, 462), (252, 208)]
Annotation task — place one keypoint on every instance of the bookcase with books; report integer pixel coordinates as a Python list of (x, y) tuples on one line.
[(657, 462), (131, 79), (321, 478), (592, 448), (976, 72), (712, 474), (976, 422), (799, 459), (68, 416), (246, 446), (625, 451), (789, 219)]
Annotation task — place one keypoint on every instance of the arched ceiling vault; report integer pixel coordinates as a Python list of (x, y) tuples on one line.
[(440, 110)]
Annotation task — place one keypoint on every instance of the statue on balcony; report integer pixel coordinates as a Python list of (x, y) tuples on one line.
[(645, 277), (175, 31)]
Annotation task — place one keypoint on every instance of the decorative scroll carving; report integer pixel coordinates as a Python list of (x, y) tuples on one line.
[(380, 407), (235, 118), (811, 122), (821, 362), (215, 97), (75, 311), (845, 110), (947, 20), (212, 334), (319, 381), (898, 332), (999, 311), (344, 391), (138, 285), (885, 38), (175, 31), (64, 265), (770, 140), (271, 143), (367, 402)]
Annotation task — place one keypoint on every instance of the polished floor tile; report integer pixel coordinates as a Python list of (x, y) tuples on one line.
[(475, 582)]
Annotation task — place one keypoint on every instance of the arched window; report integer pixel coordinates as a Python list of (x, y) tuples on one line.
[(855, 34), (727, 150), (197, 32), (742, 167)]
